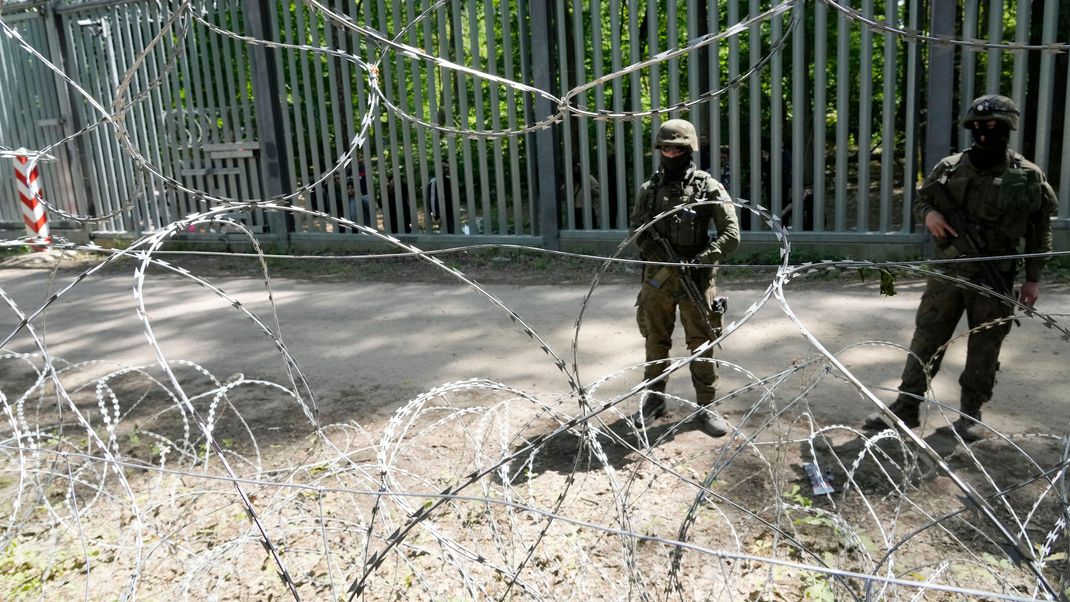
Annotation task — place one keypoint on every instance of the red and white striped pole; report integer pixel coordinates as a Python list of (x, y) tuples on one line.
[(29, 184)]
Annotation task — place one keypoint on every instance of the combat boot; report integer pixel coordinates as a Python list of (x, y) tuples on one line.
[(712, 424), (969, 426), (654, 407), (904, 409)]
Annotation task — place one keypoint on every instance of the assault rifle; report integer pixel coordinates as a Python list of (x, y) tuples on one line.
[(969, 234), (719, 305)]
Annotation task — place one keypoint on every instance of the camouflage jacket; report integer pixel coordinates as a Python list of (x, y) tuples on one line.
[(1005, 205), (686, 230)]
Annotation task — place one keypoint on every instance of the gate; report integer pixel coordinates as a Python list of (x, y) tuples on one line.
[(33, 115)]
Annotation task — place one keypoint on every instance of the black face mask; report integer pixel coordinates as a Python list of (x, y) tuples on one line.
[(997, 137), (989, 145), (676, 167)]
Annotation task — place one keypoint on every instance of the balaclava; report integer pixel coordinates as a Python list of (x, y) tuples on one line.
[(989, 145), (676, 167)]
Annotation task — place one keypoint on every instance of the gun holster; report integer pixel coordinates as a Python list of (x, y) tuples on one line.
[(718, 308), (719, 305)]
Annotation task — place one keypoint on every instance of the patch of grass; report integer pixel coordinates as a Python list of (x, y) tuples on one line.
[(14, 251), (23, 570), (18, 571), (525, 266), (766, 263), (1057, 269)]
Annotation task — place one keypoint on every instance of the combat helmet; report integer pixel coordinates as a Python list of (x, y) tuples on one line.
[(992, 107), (677, 132)]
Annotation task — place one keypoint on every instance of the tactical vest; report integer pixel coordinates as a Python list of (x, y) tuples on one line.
[(999, 203), (687, 230)]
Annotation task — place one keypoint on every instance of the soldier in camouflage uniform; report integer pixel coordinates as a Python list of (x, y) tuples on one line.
[(1003, 199), (684, 237)]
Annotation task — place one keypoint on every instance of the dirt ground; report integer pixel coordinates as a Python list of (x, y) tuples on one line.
[(426, 441)]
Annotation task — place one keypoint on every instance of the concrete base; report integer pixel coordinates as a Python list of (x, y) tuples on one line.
[(75, 235), (803, 245)]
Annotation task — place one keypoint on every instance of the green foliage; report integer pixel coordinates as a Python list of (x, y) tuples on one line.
[(1057, 269), (771, 257), (818, 588), (22, 569), (17, 571), (13, 251), (1000, 563), (795, 496), (887, 278)]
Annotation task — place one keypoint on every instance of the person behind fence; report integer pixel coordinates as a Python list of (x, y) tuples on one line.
[(579, 201), (682, 237), (362, 201), (394, 223), (438, 198), (982, 202)]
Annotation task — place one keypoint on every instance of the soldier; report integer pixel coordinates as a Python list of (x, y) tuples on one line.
[(683, 237), (999, 199)]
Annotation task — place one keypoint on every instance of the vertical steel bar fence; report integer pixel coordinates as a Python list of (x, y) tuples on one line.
[(824, 130)]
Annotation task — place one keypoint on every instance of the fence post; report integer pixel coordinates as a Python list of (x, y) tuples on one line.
[(29, 185), (274, 163), (541, 42), (70, 154), (938, 100)]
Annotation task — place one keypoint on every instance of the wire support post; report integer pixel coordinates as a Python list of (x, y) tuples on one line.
[(28, 181)]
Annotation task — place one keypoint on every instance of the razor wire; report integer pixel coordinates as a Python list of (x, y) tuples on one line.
[(405, 424), (479, 488)]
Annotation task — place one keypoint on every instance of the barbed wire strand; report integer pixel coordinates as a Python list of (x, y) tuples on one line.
[(406, 512)]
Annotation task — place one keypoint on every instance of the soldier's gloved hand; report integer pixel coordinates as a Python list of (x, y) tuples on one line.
[(709, 257)]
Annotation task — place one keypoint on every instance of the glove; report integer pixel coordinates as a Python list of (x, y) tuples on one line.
[(709, 257)]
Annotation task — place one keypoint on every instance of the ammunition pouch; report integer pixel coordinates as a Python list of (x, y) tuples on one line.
[(718, 308), (1019, 191)]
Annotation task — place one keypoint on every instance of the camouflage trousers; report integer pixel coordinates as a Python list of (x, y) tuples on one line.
[(942, 305), (656, 314)]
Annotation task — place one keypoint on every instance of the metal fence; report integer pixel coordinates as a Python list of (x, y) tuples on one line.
[(820, 111), (31, 116)]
